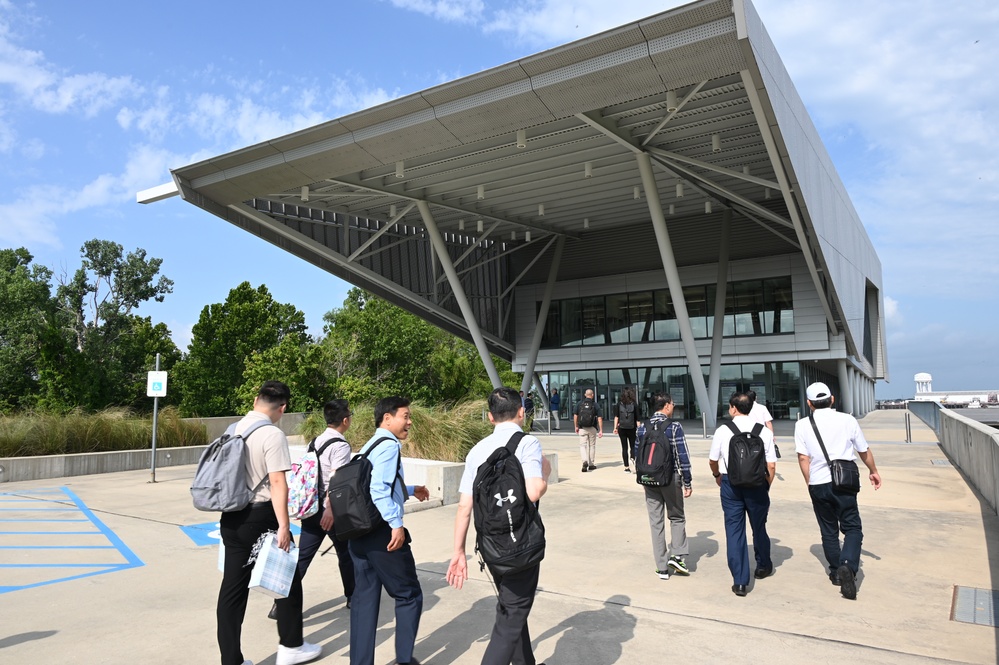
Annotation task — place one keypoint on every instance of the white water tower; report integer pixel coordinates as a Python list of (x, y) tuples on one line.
[(923, 383)]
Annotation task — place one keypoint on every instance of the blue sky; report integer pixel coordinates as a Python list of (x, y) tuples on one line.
[(99, 100)]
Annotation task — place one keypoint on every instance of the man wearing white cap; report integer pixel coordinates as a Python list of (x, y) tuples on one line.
[(840, 435)]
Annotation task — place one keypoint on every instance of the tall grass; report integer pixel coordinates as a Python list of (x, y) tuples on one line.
[(30, 434), (444, 433)]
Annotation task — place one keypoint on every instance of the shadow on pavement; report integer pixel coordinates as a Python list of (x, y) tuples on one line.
[(594, 636)]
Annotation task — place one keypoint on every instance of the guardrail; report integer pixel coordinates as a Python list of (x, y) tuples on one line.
[(971, 446)]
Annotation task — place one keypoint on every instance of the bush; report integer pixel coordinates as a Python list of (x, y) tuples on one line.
[(443, 433), (31, 434)]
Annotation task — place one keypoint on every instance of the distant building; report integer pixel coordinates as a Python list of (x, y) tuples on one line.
[(953, 398)]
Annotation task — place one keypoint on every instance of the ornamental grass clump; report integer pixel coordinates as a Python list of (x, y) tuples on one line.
[(35, 433), (443, 433)]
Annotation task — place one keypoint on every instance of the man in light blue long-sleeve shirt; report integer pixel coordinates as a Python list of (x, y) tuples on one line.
[(383, 557)]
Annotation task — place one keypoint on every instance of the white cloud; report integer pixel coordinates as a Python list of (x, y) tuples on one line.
[(456, 11), (893, 314)]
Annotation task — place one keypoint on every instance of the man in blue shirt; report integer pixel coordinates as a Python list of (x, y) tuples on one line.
[(383, 558)]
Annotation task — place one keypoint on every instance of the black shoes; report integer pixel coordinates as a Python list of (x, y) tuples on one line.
[(739, 589), (847, 582), (348, 602), (763, 572), (592, 467), (834, 578), (273, 613), (584, 467)]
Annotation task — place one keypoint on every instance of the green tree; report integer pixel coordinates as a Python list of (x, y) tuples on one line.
[(226, 335), (96, 310), (27, 315)]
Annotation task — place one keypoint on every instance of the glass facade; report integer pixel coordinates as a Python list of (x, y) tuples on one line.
[(777, 385), (752, 307)]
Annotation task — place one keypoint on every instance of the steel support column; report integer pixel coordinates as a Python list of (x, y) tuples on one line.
[(539, 328), (673, 280), (459, 293), (845, 386), (714, 373)]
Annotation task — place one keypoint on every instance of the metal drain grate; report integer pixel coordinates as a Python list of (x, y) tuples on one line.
[(940, 462), (977, 606)]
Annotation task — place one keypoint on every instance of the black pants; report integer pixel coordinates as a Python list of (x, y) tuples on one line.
[(627, 437), (309, 543), (240, 531), (510, 641), (835, 513)]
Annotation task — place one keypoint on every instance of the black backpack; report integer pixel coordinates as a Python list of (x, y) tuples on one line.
[(626, 416), (587, 413), (354, 513), (510, 536), (747, 459), (655, 464)]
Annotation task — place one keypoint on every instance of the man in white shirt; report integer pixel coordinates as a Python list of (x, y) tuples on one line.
[(510, 641), (738, 502), (835, 512), (761, 414)]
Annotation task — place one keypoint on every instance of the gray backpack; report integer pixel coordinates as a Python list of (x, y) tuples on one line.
[(220, 481)]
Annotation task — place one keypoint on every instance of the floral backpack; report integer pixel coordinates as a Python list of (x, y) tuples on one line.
[(304, 483)]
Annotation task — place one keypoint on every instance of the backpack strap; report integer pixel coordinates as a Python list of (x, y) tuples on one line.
[(249, 430), (732, 426), (514, 442), (757, 429), (398, 466)]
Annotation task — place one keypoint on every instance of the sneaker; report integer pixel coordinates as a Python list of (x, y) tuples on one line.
[(302, 654), (592, 467), (627, 470), (847, 582), (348, 602), (663, 574), (678, 566), (584, 467)]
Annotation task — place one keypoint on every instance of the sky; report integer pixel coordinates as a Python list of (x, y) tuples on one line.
[(99, 100)]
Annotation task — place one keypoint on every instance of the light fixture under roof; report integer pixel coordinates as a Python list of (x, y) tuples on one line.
[(400, 169), (461, 225), (707, 207), (541, 210), (715, 143), (480, 192), (305, 193), (513, 235), (527, 236), (521, 139), (586, 222), (745, 169), (478, 226), (679, 189), (392, 211), (636, 193), (766, 192), (671, 104), (672, 209), (588, 170)]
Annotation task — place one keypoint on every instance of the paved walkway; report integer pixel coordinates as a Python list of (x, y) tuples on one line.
[(599, 602)]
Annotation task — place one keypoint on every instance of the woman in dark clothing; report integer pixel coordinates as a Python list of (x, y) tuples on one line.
[(626, 424)]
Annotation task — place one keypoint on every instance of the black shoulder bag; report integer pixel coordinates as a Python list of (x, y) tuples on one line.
[(845, 473)]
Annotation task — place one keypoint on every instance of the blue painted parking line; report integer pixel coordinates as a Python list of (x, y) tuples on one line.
[(207, 533), (71, 504)]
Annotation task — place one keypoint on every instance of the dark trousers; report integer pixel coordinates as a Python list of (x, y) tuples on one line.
[(627, 437), (835, 513), (374, 568), (737, 503), (510, 641), (309, 543), (240, 530)]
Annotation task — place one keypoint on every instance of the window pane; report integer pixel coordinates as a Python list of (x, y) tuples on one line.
[(748, 298), (697, 309), (571, 322), (617, 318), (594, 319), (778, 316), (665, 326), (640, 316), (549, 337)]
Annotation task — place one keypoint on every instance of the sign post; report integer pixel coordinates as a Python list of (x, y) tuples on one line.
[(156, 384)]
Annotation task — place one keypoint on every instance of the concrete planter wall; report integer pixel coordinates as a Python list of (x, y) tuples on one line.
[(13, 469)]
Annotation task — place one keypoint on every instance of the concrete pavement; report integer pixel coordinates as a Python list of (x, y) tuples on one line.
[(599, 602)]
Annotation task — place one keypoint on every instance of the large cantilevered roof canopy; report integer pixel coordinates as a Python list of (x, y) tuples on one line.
[(503, 164)]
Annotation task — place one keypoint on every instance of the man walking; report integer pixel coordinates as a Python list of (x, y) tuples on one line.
[(840, 434), (383, 557), (667, 500), (554, 403), (267, 460), (761, 414), (510, 641), (589, 425), (738, 502), (333, 452)]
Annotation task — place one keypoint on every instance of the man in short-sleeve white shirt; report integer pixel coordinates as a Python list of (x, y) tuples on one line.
[(761, 414), (834, 512), (510, 641), (740, 502)]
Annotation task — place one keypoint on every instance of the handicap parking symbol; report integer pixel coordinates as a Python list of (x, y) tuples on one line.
[(207, 533)]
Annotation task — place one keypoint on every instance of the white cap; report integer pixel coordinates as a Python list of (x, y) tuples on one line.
[(818, 391)]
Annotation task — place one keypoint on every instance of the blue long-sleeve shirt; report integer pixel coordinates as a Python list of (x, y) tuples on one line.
[(387, 493), (675, 435)]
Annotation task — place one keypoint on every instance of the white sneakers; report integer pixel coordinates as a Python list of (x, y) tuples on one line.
[(302, 654)]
